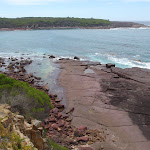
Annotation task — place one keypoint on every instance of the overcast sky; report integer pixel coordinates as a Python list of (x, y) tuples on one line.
[(127, 10)]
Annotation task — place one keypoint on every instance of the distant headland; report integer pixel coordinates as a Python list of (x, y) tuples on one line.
[(28, 23)]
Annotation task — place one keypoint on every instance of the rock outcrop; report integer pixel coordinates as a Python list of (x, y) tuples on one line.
[(31, 133)]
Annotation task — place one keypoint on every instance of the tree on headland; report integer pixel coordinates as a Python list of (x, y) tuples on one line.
[(35, 22)]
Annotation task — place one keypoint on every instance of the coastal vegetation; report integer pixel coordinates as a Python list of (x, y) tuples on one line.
[(27, 100), (35, 22), (56, 146)]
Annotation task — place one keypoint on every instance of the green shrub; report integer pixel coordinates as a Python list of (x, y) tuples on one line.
[(30, 100), (55, 146)]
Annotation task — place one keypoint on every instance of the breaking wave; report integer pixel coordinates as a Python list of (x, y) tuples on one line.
[(120, 62)]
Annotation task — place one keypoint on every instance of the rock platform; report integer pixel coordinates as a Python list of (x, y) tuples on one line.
[(112, 100)]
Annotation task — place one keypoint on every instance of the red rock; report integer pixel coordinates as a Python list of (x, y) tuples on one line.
[(55, 95), (38, 78), (83, 139), (67, 124), (78, 133), (82, 128), (50, 123), (65, 116), (26, 76), (57, 100), (59, 115), (55, 110), (23, 70), (50, 95), (110, 65), (45, 87), (46, 126), (31, 80), (69, 133), (52, 119), (69, 119), (39, 87), (59, 106), (21, 74), (46, 120), (48, 135), (61, 123), (42, 124), (30, 75), (55, 126), (50, 129), (51, 133)]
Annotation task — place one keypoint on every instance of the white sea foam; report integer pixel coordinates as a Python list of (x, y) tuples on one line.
[(120, 61), (130, 63), (70, 57), (33, 56), (143, 28), (114, 28)]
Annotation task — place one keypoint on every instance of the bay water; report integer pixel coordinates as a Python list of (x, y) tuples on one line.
[(125, 47)]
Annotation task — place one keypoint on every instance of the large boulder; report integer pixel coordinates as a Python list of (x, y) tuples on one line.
[(110, 65), (77, 58)]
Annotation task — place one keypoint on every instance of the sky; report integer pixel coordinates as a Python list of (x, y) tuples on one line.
[(114, 10)]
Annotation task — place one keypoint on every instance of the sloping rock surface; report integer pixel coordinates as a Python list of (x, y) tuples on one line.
[(113, 100)]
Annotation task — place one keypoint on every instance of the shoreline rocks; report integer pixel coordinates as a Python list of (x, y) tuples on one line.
[(114, 24), (58, 123), (97, 96)]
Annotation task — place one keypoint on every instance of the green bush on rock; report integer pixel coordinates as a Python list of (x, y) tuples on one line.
[(27, 100), (55, 146)]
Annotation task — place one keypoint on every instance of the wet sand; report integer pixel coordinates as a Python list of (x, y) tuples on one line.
[(115, 101)]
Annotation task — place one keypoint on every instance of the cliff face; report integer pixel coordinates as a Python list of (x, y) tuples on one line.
[(16, 131)]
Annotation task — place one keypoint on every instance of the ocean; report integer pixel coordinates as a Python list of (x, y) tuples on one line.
[(125, 47)]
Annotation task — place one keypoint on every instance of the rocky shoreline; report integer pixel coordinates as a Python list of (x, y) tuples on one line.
[(58, 122), (115, 24), (107, 107)]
